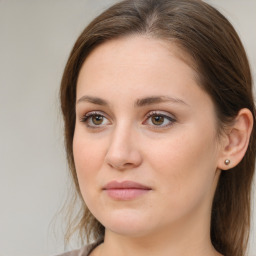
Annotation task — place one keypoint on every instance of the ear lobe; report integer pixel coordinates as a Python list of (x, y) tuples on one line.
[(237, 140)]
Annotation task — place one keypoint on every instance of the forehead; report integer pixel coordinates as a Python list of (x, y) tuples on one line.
[(138, 52), (143, 44), (136, 66)]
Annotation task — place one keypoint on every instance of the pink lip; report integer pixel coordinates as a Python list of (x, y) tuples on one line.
[(126, 190)]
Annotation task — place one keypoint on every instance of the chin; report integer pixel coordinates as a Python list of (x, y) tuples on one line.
[(127, 223)]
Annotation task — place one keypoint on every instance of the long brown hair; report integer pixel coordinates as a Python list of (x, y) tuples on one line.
[(223, 72)]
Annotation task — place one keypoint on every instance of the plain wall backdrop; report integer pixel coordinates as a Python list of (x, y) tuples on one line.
[(35, 40)]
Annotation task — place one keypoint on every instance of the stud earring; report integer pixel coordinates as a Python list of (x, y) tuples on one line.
[(227, 162)]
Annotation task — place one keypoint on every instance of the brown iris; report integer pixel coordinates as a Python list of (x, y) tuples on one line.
[(97, 120), (157, 120)]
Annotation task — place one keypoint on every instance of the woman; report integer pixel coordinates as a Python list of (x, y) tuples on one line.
[(159, 126)]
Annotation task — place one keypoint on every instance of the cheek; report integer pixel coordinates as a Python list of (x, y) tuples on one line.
[(88, 160), (86, 156), (185, 166)]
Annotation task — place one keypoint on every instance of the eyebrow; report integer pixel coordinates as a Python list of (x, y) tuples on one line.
[(94, 100), (139, 102), (157, 99)]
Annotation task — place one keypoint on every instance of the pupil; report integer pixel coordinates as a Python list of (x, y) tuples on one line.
[(158, 120), (97, 119)]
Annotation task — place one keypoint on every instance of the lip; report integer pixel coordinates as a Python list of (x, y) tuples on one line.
[(125, 190)]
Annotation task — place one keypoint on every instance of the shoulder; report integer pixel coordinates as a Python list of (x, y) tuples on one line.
[(84, 251)]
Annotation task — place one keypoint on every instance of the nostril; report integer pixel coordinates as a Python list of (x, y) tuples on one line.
[(123, 163), (121, 166)]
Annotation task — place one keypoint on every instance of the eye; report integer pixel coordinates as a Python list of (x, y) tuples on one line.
[(159, 119), (94, 120)]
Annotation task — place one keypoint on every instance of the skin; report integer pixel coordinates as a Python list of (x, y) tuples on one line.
[(178, 159)]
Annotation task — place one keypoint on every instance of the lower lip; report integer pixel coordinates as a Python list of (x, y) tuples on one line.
[(126, 194)]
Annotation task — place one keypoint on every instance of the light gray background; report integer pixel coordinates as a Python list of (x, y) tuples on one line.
[(35, 40)]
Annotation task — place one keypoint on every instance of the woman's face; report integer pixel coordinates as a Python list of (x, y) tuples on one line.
[(145, 144)]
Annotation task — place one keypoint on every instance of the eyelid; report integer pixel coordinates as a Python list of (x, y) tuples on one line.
[(161, 113)]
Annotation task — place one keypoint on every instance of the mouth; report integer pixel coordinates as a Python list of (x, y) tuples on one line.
[(125, 190)]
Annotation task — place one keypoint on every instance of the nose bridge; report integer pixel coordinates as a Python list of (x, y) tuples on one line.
[(123, 150)]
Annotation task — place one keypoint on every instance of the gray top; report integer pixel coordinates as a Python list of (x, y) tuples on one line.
[(84, 251)]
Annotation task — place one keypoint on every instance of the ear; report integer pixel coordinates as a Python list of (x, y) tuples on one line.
[(236, 140)]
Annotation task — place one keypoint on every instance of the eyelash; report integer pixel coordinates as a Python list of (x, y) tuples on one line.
[(87, 118)]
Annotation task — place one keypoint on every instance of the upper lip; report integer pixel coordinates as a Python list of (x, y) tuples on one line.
[(125, 185)]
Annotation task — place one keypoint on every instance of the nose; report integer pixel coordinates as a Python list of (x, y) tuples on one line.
[(123, 152)]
